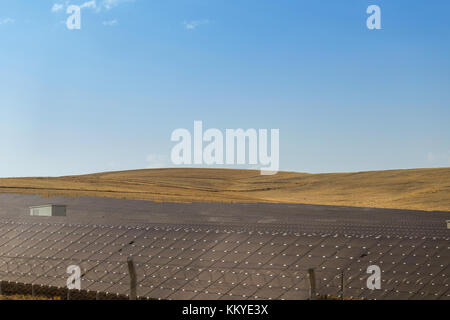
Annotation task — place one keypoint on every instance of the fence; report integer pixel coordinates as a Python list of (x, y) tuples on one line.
[(195, 262), (48, 278)]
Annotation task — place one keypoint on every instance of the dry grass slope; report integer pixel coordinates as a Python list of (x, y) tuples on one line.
[(23, 297), (421, 189)]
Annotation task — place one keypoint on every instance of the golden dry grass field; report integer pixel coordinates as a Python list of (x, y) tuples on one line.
[(23, 297), (421, 189)]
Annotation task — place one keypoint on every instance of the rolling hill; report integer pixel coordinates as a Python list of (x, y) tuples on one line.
[(419, 189)]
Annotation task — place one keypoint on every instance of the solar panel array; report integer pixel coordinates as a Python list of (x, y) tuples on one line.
[(183, 261)]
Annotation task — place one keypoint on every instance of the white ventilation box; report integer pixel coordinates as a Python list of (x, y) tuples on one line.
[(49, 210)]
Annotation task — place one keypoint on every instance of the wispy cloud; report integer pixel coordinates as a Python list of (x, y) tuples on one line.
[(92, 4), (7, 21), (191, 25), (57, 7), (109, 4), (110, 23), (89, 4)]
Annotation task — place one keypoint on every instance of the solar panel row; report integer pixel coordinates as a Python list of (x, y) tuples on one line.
[(223, 262)]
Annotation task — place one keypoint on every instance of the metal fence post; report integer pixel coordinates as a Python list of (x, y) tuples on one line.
[(342, 285), (312, 282), (132, 272)]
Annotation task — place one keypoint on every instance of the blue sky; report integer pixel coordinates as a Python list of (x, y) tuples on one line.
[(108, 96)]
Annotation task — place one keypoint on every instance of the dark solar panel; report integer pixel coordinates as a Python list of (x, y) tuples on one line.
[(179, 260)]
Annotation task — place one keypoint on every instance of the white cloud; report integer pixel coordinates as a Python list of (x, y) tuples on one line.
[(57, 7), (191, 25), (89, 4), (108, 4), (7, 21), (110, 23), (97, 5)]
